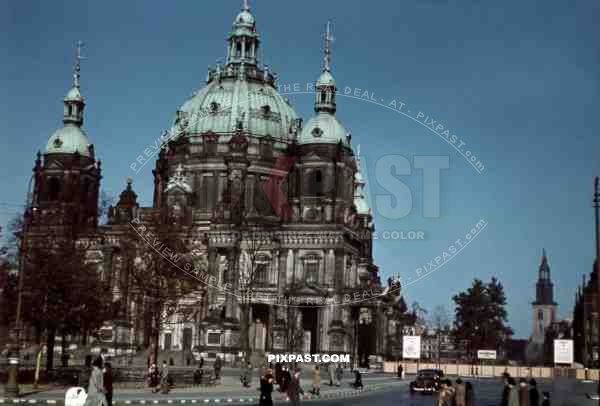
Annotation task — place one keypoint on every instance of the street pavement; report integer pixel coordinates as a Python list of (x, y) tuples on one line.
[(380, 390), (230, 391)]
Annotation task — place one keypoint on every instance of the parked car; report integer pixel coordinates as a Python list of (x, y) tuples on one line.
[(427, 381)]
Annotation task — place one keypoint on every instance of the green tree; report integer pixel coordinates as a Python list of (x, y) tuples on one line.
[(63, 291), (480, 317)]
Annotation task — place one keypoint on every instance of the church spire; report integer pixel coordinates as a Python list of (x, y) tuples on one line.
[(544, 286), (325, 86), (328, 41), (74, 103)]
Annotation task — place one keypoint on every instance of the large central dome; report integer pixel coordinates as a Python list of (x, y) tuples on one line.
[(240, 94), (229, 101)]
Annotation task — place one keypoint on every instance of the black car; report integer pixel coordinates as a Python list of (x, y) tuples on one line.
[(427, 381)]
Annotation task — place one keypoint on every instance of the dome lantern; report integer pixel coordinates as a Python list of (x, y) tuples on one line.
[(243, 39), (71, 138)]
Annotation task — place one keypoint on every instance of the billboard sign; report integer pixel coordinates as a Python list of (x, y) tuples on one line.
[(411, 347), (563, 351), (487, 354)]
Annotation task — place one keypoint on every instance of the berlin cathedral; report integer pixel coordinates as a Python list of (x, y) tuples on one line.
[(245, 186)]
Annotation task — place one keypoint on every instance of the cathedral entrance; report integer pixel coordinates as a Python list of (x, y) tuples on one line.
[(310, 325), (366, 344), (260, 327)]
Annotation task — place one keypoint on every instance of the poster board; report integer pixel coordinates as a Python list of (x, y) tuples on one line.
[(411, 347), (563, 351)]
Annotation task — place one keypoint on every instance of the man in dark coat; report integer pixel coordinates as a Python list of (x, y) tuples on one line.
[(217, 367), (534, 395), (108, 382), (266, 388), (505, 390), (294, 390)]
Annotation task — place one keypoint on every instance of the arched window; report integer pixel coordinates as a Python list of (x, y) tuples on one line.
[(540, 315), (323, 97), (53, 189)]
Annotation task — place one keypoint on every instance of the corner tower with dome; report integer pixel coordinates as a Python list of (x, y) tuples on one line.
[(245, 189)]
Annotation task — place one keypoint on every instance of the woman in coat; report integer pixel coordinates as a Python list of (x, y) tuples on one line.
[(523, 392), (513, 394), (534, 395), (316, 381), (95, 393)]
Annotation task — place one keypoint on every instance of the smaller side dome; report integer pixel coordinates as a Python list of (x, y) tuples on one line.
[(68, 140), (323, 129)]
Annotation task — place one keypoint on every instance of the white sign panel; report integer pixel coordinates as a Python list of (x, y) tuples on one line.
[(563, 351), (411, 347), (486, 354)]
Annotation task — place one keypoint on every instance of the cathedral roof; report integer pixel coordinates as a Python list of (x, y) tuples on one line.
[(68, 140), (242, 94), (218, 107)]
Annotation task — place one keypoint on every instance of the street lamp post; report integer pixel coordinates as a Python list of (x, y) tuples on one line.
[(11, 389), (596, 205)]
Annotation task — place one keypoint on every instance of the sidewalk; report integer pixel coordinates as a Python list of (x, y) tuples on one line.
[(227, 392)]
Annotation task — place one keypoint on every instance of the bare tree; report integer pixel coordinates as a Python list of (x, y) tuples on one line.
[(253, 274), (439, 322), (161, 279)]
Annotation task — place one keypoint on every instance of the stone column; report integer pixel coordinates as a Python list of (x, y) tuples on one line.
[(330, 268), (250, 184), (281, 272), (212, 271), (230, 299)]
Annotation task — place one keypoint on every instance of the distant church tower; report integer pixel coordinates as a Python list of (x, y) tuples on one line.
[(544, 307)]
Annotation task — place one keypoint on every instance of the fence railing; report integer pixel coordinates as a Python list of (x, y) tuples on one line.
[(494, 371)]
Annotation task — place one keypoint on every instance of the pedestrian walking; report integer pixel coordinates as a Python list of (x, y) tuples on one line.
[(201, 362), (217, 366), (316, 381), (461, 393), (95, 392), (446, 393), (470, 394), (400, 370), (505, 389), (339, 374), (357, 380), (198, 373), (86, 373), (513, 394), (331, 371), (523, 392), (286, 378), (266, 388), (546, 397), (534, 395), (107, 376), (278, 373), (246, 377), (294, 389), (164, 379)]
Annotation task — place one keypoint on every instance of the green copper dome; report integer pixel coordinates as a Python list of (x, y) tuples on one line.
[(323, 128), (222, 104), (68, 140)]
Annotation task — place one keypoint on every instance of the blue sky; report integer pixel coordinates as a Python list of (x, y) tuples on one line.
[(517, 82)]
